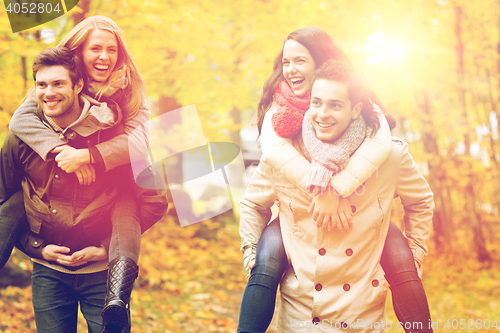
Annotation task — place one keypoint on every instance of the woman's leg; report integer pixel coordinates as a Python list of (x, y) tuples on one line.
[(408, 294), (152, 205), (126, 233), (257, 305), (151, 192), (12, 216), (124, 249)]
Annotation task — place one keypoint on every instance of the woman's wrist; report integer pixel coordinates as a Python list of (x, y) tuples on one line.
[(328, 190), (85, 157)]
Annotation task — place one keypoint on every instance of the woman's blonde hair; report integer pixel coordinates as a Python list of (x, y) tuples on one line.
[(135, 92)]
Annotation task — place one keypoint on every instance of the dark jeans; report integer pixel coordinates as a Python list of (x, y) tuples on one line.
[(56, 296), (12, 217), (259, 298), (408, 294), (257, 305)]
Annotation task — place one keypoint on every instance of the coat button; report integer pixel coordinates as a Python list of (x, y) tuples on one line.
[(88, 141), (349, 252), (375, 283), (57, 176), (347, 287), (315, 320), (322, 252), (353, 208), (54, 211), (318, 287), (72, 135)]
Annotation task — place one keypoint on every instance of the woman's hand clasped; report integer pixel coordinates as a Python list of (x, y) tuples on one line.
[(59, 254), (344, 215), (70, 160), (330, 209), (85, 174)]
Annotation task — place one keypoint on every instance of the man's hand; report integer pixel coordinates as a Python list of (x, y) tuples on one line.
[(57, 253), (70, 159), (54, 252), (344, 219), (324, 207), (90, 253), (85, 174)]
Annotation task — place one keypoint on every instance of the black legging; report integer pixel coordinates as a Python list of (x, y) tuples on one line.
[(12, 218), (408, 295)]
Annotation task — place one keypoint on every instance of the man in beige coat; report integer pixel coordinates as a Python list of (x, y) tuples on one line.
[(334, 282)]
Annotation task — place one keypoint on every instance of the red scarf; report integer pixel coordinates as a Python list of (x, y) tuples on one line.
[(287, 120)]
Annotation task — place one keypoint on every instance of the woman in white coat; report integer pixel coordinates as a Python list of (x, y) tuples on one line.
[(296, 67)]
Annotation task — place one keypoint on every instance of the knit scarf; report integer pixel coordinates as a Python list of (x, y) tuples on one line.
[(287, 120), (329, 158), (118, 80)]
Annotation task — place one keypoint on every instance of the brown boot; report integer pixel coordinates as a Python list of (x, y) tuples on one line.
[(122, 273)]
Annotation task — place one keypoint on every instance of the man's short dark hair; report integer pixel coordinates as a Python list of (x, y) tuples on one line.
[(357, 88), (60, 56)]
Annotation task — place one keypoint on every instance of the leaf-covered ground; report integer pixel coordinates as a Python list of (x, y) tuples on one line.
[(191, 284)]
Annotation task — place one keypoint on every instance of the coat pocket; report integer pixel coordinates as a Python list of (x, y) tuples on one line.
[(379, 216), (373, 215)]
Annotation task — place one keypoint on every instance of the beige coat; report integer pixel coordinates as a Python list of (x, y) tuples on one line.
[(336, 277), (280, 153)]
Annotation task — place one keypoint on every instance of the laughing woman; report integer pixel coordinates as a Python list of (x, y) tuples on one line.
[(112, 73), (284, 101)]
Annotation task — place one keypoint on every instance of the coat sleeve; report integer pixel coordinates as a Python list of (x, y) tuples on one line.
[(368, 157), (132, 145), (11, 167), (417, 199), (11, 195), (282, 155), (27, 126), (30, 243), (255, 212)]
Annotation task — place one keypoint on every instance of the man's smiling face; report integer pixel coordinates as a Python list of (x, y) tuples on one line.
[(330, 110), (55, 93)]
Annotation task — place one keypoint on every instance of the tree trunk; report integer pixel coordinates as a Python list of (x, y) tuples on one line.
[(473, 216), (497, 110), (25, 73), (444, 232), (494, 108)]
